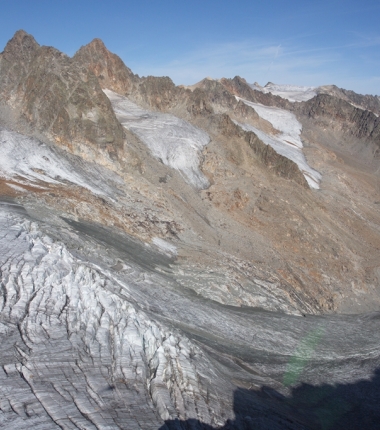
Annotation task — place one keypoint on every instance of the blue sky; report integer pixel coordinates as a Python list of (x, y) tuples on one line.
[(286, 42)]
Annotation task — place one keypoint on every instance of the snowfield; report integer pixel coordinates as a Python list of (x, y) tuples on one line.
[(282, 120), (293, 93), (172, 140), (29, 161), (288, 142)]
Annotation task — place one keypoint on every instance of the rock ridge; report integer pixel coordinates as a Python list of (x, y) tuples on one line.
[(57, 97)]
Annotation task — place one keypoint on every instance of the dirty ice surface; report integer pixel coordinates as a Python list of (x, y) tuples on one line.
[(293, 93), (29, 161), (172, 140), (87, 342), (83, 346), (288, 142)]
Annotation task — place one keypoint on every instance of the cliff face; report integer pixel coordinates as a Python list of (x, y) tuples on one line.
[(113, 74), (14, 62), (57, 97), (365, 102), (336, 113), (110, 70)]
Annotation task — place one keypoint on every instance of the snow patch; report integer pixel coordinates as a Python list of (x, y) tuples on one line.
[(27, 160), (174, 141), (282, 120), (164, 246), (288, 142)]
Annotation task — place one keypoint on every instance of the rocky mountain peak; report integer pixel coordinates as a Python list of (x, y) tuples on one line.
[(106, 66), (54, 95), (98, 45), (240, 87), (22, 46)]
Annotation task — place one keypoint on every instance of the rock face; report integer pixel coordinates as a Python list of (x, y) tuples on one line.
[(365, 102), (183, 257), (111, 72), (56, 97), (338, 114)]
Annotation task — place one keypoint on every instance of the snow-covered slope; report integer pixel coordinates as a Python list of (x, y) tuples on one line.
[(293, 93), (29, 161), (288, 142), (172, 140)]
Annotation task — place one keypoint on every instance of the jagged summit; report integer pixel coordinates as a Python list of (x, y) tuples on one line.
[(22, 44), (54, 95), (97, 44), (108, 67)]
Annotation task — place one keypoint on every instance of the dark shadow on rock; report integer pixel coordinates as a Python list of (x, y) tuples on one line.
[(326, 407)]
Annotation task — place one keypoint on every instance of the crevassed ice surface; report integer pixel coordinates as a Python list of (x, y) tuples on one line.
[(288, 142), (174, 141), (293, 93), (77, 353), (85, 346)]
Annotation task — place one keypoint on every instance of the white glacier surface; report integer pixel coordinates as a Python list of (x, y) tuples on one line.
[(282, 120), (293, 93), (288, 142), (174, 141), (89, 356)]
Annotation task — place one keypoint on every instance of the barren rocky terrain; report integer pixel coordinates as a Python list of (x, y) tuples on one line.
[(184, 257)]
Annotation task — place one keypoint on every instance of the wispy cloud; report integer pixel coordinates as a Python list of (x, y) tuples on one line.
[(262, 61), (254, 60)]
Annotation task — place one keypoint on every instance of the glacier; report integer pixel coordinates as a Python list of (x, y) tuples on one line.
[(287, 142), (29, 161), (87, 345), (293, 93), (174, 141)]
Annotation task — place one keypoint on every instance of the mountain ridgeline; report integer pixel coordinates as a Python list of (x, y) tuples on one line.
[(61, 97)]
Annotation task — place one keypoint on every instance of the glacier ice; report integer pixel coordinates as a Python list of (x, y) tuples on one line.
[(293, 93), (86, 347), (29, 161), (174, 141), (288, 142)]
